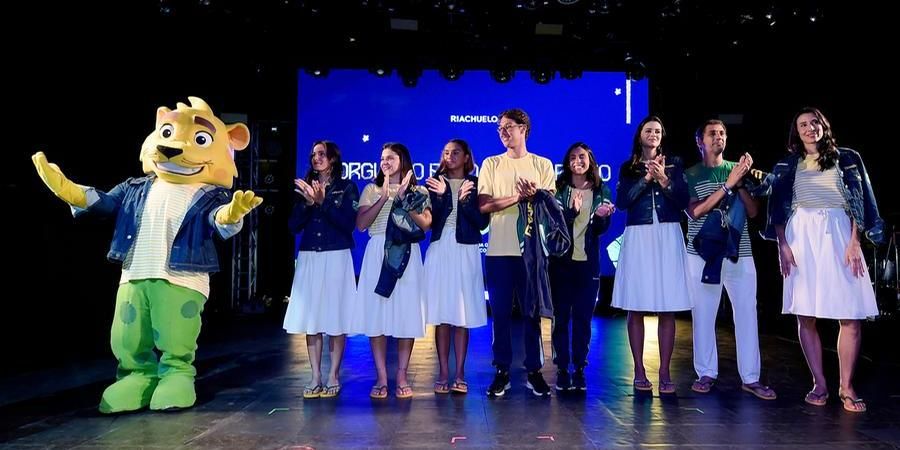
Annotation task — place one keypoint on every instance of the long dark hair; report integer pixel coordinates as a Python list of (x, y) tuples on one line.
[(633, 165), (333, 153), (405, 163), (464, 146), (593, 173), (827, 146)]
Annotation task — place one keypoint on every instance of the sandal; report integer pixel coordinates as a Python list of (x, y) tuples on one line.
[(378, 392), (643, 385), (816, 399), (666, 387), (404, 391), (460, 386), (312, 391), (441, 387), (331, 391), (760, 391), (703, 385), (858, 405)]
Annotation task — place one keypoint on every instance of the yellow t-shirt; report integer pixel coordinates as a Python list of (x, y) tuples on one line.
[(581, 223), (497, 178)]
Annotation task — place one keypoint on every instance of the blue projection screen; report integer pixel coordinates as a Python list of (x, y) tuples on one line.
[(360, 112)]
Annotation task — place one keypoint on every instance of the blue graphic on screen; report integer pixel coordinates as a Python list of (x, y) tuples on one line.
[(360, 112)]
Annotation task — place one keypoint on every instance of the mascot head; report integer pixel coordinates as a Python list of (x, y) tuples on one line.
[(191, 145)]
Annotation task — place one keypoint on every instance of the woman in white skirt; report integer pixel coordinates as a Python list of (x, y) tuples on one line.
[(324, 285), (820, 204), (650, 275), (401, 313), (453, 274)]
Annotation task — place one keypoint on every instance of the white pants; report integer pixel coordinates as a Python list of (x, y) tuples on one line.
[(739, 280)]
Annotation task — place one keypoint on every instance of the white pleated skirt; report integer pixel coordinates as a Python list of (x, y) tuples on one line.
[(401, 315), (822, 285), (454, 283), (651, 275), (322, 294)]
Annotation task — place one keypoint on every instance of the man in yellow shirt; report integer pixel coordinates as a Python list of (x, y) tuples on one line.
[(504, 180)]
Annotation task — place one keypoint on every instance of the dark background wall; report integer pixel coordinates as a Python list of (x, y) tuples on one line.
[(83, 82)]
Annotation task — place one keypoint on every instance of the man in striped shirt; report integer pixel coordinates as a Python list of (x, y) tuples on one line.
[(709, 183)]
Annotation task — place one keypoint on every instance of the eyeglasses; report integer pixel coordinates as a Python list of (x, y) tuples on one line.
[(508, 127)]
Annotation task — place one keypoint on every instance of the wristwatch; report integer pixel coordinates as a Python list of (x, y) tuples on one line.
[(727, 191)]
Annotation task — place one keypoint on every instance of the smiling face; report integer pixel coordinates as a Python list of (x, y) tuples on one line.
[(651, 134), (809, 128), (319, 160), (712, 142), (454, 157), (579, 161), (390, 162), (191, 145)]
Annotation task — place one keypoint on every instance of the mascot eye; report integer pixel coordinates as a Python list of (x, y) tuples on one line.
[(167, 131), (203, 139)]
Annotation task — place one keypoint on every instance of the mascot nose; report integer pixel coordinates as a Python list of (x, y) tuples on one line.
[(168, 152)]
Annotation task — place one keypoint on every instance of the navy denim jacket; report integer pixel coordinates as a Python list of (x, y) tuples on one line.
[(856, 188), (635, 195), (469, 220), (193, 248), (542, 232), (596, 225), (720, 237), (400, 234), (328, 226)]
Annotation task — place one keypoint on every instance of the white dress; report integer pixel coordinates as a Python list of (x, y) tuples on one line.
[(454, 280)]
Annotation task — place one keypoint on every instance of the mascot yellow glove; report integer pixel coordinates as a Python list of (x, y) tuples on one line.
[(241, 204), (64, 188)]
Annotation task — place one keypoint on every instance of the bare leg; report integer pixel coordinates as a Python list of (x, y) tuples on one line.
[(636, 339)]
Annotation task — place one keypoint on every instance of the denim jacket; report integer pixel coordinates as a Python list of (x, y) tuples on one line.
[(596, 225), (856, 188), (193, 248), (328, 226), (542, 232), (720, 237), (400, 234), (637, 196), (469, 220)]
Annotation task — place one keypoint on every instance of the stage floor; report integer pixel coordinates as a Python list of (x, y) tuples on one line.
[(252, 374)]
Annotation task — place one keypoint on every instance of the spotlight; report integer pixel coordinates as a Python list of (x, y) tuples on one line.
[(318, 72), (634, 69), (452, 73), (410, 76), (502, 75), (542, 76), (570, 73), (381, 71)]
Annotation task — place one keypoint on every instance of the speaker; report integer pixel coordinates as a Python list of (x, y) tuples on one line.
[(276, 167)]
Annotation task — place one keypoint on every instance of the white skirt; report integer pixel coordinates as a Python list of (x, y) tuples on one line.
[(651, 275), (454, 283), (402, 315), (322, 294), (822, 285)]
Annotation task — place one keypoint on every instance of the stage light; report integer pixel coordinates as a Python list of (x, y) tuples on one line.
[(542, 76), (502, 75)]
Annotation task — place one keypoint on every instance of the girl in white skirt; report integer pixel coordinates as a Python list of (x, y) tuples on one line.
[(324, 287), (824, 196), (402, 313), (650, 275), (453, 274)]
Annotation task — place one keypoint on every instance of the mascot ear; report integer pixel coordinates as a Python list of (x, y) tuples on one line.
[(160, 113), (238, 136)]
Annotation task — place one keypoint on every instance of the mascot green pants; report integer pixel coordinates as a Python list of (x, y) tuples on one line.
[(174, 313)]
